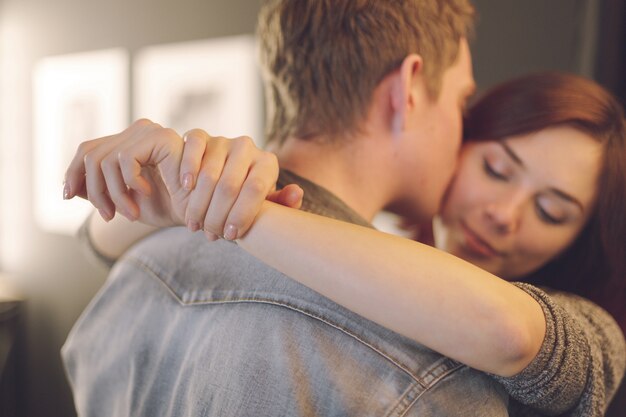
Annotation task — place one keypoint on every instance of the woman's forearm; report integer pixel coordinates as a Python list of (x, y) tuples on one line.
[(441, 301), (111, 239)]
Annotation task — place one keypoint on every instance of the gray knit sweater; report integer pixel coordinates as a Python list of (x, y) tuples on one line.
[(579, 366)]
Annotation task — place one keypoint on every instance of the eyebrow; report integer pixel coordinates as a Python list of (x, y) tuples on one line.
[(512, 154), (562, 194)]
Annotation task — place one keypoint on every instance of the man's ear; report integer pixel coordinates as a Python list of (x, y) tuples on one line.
[(403, 93)]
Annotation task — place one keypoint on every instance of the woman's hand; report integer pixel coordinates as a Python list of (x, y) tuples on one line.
[(150, 174), (135, 173), (229, 179)]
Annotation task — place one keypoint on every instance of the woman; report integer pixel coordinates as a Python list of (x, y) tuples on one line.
[(518, 209)]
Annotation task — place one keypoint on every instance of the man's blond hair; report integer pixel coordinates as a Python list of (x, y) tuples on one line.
[(322, 59)]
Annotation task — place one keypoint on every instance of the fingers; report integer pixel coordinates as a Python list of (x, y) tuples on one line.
[(212, 164), (227, 190), (211, 237), (234, 177), (105, 170), (75, 176), (74, 180), (257, 185), (290, 196), (120, 168), (195, 146), (116, 187), (95, 182), (151, 147)]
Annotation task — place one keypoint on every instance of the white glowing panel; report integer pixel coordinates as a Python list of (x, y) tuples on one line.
[(76, 97), (211, 84)]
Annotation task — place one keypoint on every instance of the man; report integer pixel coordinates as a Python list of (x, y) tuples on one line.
[(364, 113)]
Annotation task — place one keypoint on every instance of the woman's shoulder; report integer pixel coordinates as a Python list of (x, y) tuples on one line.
[(591, 314)]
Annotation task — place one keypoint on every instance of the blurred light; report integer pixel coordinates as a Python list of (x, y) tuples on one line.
[(210, 84), (13, 193), (76, 98)]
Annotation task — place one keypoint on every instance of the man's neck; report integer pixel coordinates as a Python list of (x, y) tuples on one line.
[(347, 171)]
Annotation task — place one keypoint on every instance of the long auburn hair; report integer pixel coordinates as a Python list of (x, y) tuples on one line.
[(594, 265)]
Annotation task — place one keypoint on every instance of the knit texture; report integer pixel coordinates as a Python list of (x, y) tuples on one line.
[(579, 366)]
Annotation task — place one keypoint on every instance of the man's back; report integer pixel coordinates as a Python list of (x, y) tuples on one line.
[(186, 327)]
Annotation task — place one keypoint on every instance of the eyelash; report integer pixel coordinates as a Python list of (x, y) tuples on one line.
[(492, 172), (541, 212), (545, 216)]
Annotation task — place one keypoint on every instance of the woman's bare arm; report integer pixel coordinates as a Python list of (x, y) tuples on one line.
[(441, 301), (112, 239)]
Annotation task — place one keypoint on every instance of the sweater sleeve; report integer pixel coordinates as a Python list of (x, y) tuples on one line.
[(580, 364), (88, 246)]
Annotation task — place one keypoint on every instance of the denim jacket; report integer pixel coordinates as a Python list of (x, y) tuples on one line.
[(185, 327)]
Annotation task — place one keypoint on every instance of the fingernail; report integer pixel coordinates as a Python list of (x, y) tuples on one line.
[(67, 192), (187, 182), (230, 232), (193, 226)]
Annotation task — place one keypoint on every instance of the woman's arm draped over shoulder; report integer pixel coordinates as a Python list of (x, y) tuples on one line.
[(554, 352), (445, 303)]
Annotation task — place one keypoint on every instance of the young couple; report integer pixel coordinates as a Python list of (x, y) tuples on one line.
[(535, 200)]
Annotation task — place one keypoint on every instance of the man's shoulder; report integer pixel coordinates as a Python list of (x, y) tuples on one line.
[(210, 288), (198, 272)]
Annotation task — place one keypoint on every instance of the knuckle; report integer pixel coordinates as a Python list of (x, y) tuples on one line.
[(164, 137), (208, 175), (244, 142), (219, 142), (195, 135), (256, 185), (228, 189), (84, 147), (91, 161), (270, 156), (107, 164), (141, 123), (169, 131), (124, 158), (170, 134)]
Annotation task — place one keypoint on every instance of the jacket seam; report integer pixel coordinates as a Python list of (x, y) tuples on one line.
[(395, 362)]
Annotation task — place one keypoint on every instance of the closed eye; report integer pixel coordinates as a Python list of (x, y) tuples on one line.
[(492, 172), (547, 217)]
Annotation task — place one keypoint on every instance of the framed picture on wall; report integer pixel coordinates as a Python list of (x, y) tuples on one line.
[(210, 84), (77, 97)]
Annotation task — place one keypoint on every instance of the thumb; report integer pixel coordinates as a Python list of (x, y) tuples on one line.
[(290, 196)]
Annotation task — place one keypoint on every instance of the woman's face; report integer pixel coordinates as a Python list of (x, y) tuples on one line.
[(517, 203)]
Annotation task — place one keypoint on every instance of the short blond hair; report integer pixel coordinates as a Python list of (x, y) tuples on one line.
[(322, 59)]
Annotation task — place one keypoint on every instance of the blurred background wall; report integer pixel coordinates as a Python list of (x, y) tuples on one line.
[(50, 270)]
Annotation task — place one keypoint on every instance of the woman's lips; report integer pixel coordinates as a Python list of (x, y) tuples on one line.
[(476, 245)]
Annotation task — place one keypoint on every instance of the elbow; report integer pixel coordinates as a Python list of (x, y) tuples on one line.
[(519, 345)]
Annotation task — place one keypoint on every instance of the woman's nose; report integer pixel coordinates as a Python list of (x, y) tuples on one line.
[(504, 215)]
